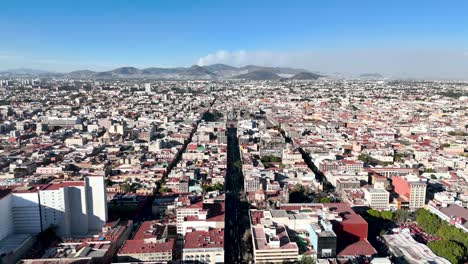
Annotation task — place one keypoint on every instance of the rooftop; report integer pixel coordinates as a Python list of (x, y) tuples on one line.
[(214, 238)]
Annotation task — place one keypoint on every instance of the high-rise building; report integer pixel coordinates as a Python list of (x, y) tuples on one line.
[(148, 87), (97, 202), (411, 190), (74, 208)]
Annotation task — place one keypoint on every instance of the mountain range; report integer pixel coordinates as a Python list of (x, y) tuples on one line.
[(195, 72)]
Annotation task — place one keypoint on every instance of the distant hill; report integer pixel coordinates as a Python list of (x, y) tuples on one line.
[(126, 71), (83, 74), (198, 71), (158, 71), (220, 67), (209, 72), (306, 76), (258, 75)]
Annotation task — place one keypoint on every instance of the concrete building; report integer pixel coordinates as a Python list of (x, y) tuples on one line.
[(452, 213), (204, 246), (271, 243), (75, 208), (411, 190), (377, 198), (151, 243), (323, 239), (148, 87)]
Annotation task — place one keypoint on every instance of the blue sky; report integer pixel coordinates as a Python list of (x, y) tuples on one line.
[(68, 35)]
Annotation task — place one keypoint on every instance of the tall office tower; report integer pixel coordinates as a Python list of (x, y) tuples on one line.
[(97, 202), (148, 87), (73, 208), (411, 190)]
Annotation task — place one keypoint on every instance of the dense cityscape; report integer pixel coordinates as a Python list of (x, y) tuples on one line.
[(325, 170)]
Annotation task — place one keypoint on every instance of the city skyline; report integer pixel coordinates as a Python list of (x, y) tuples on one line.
[(403, 40)]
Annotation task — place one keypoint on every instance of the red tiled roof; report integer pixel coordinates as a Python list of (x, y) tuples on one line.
[(57, 186), (147, 229), (360, 248), (203, 239), (139, 246), (346, 212)]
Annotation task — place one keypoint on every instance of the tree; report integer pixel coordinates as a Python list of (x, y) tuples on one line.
[(429, 222), (299, 194), (398, 156), (108, 182), (164, 190), (238, 164), (373, 213), (306, 259), (386, 215), (429, 170), (363, 158), (325, 200), (218, 186), (447, 249), (450, 232), (126, 187)]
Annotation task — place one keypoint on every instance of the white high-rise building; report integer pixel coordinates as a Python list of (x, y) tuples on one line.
[(97, 202), (417, 194), (148, 87), (74, 208), (377, 198)]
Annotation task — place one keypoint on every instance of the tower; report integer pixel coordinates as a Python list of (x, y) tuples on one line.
[(97, 202), (148, 87)]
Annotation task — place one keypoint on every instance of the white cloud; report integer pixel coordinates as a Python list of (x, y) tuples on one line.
[(414, 63), (242, 57)]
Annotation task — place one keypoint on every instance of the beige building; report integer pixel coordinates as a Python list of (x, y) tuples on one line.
[(271, 243), (377, 198)]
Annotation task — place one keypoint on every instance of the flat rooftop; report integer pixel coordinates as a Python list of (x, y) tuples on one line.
[(12, 242)]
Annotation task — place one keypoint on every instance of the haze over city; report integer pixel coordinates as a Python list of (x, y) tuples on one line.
[(238, 132), (417, 39)]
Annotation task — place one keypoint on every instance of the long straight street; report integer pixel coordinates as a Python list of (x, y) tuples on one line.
[(234, 186)]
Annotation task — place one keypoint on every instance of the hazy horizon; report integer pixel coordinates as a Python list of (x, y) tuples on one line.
[(426, 40)]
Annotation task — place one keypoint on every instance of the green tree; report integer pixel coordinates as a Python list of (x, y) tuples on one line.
[(238, 164), (450, 232), (429, 222), (306, 259), (373, 213), (299, 194), (363, 158), (386, 215), (164, 190), (126, 187), (325, 200), (108, 182), (447, 249), (218, 186), (401, 215)]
